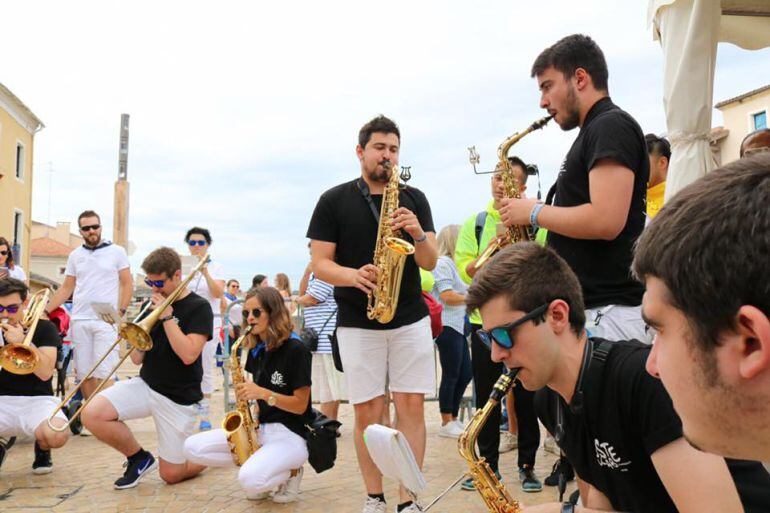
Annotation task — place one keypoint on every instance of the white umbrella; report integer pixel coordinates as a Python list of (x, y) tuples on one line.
[(689, 31)]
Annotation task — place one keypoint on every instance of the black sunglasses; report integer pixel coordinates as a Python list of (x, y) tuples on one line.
[(158, 284), (256, 313), (503, 334), (91, 227), (3, 252)]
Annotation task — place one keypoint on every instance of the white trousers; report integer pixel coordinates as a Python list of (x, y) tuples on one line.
[(208, 356), (282, 450)]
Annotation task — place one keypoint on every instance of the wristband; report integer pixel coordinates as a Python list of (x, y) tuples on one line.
[(567, 507), (421, 239), (167, 318), (536, 208)]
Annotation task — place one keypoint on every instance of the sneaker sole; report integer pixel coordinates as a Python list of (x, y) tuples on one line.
[(533, 490), (42, 470), (280, 499), (141, 476), (448, 435)]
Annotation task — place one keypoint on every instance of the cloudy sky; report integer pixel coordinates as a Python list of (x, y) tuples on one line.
[(242, 113)]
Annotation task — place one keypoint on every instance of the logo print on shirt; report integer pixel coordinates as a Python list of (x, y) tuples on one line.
[(277, 379), (606, 457)]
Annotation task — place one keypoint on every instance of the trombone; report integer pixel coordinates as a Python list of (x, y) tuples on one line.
[(137, 334), (20, 358)]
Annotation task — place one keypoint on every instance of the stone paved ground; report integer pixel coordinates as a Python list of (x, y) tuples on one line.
[(85, 469)]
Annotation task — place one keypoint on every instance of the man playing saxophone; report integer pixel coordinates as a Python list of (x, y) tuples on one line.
[(169, 382), (344, 232), (26, 400)]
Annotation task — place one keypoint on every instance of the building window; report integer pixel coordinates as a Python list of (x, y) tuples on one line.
[(18, 231), (61, 271), (19, 161), (760, 120)]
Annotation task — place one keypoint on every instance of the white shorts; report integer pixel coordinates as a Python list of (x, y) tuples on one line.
[(134, 399), (282, 451), (616, 322), (328, 383), (90, 340), (21, 415), (403, 357)]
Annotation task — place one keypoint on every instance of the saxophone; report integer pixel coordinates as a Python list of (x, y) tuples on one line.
[(492, 491), (239, 425), (515, 233), (390, 254)]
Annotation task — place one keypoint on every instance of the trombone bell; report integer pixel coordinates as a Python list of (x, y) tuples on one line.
[(18, 359)]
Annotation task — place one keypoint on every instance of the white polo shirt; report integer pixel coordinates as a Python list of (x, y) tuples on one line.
[(96, 278)]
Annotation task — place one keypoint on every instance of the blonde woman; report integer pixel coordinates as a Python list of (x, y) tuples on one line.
[(284, 287), (280, 366), (456, 373)]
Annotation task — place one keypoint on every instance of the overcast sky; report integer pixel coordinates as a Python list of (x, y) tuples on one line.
[(243, 113)]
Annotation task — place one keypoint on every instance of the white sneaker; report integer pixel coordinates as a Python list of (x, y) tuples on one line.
[(550, 445), (374, 506), (508, 442), (260, 496), (450, 430), (85, 432), (289, 491), (412, 508)]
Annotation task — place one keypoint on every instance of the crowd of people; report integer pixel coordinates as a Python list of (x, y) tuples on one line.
[(640, 329)]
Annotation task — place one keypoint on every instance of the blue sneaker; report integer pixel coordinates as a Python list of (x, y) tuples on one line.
[(205, 425), (529, 481), (468, 485), (136, 471)]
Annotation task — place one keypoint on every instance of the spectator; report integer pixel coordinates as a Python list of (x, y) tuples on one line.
[(659, 151), (756, 142), (8, 268), (284, 287), (260, 280)]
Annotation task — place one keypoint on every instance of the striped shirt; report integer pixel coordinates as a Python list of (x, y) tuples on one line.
[(447, 278), (317, 315)]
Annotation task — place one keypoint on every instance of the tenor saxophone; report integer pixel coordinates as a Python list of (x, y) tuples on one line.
[(390, 254), (516, 233), (239, 425), (492, 491)]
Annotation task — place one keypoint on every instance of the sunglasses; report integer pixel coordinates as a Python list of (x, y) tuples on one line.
[(503, 335), (194, 243), (158, 284), (255, 313), (11, 309), (3, 252), (91, 227)]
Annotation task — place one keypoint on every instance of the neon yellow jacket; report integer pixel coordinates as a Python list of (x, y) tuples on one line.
[(426, 280)]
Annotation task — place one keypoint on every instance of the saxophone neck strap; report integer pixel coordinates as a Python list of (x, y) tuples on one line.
[(364, 188)]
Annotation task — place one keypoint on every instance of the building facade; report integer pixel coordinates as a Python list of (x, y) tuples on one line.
[(742, 115), (49, 248)]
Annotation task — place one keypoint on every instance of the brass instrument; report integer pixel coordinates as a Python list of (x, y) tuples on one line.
[(516, 233), (138, 337), (19, 358), (390, 254), (239, 425), (492, 491)]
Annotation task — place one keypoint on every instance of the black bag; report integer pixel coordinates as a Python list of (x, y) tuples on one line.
[(336, 351), (309, 336), (321, 440)]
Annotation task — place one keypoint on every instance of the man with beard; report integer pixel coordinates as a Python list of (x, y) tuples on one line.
[(598, 210), (96, 272), (343, 233)]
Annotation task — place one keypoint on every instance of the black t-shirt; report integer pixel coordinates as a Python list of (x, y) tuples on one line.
[(162, 369), (610, 440), (343, 216), (45, 335), (282, 370), (603, 267)]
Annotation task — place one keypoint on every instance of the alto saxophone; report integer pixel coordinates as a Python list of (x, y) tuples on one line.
[(390, 254), (492, 491), (239, 425), (516, 233)]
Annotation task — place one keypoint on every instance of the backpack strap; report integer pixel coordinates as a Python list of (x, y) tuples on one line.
[(481, 220)]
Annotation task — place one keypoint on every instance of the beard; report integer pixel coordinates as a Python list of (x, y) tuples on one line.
[(379, 173), (93, 240), (572, 119)]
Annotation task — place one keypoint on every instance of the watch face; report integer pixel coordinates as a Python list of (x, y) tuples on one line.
[(272, 400)]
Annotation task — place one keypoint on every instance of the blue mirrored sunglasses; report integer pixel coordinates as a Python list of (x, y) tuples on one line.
[(503, 334), (11, 309), (196, 243), (158, 284)]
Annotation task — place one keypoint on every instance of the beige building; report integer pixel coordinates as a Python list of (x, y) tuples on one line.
[(50, 247), (742, 115), (18, 126)]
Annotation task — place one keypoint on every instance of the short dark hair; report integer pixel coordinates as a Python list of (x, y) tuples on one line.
[(573, 52), (257, 279), (10, 286), (231, 281), (528, 275), (162, 260), (9, 260), (658, 145), (197, 230), (380, 124), (760, 138), (516, 161), (709, 246), (88, 213)]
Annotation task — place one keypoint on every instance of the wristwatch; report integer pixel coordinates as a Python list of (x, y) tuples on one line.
[(272, 399), (567, 507)]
